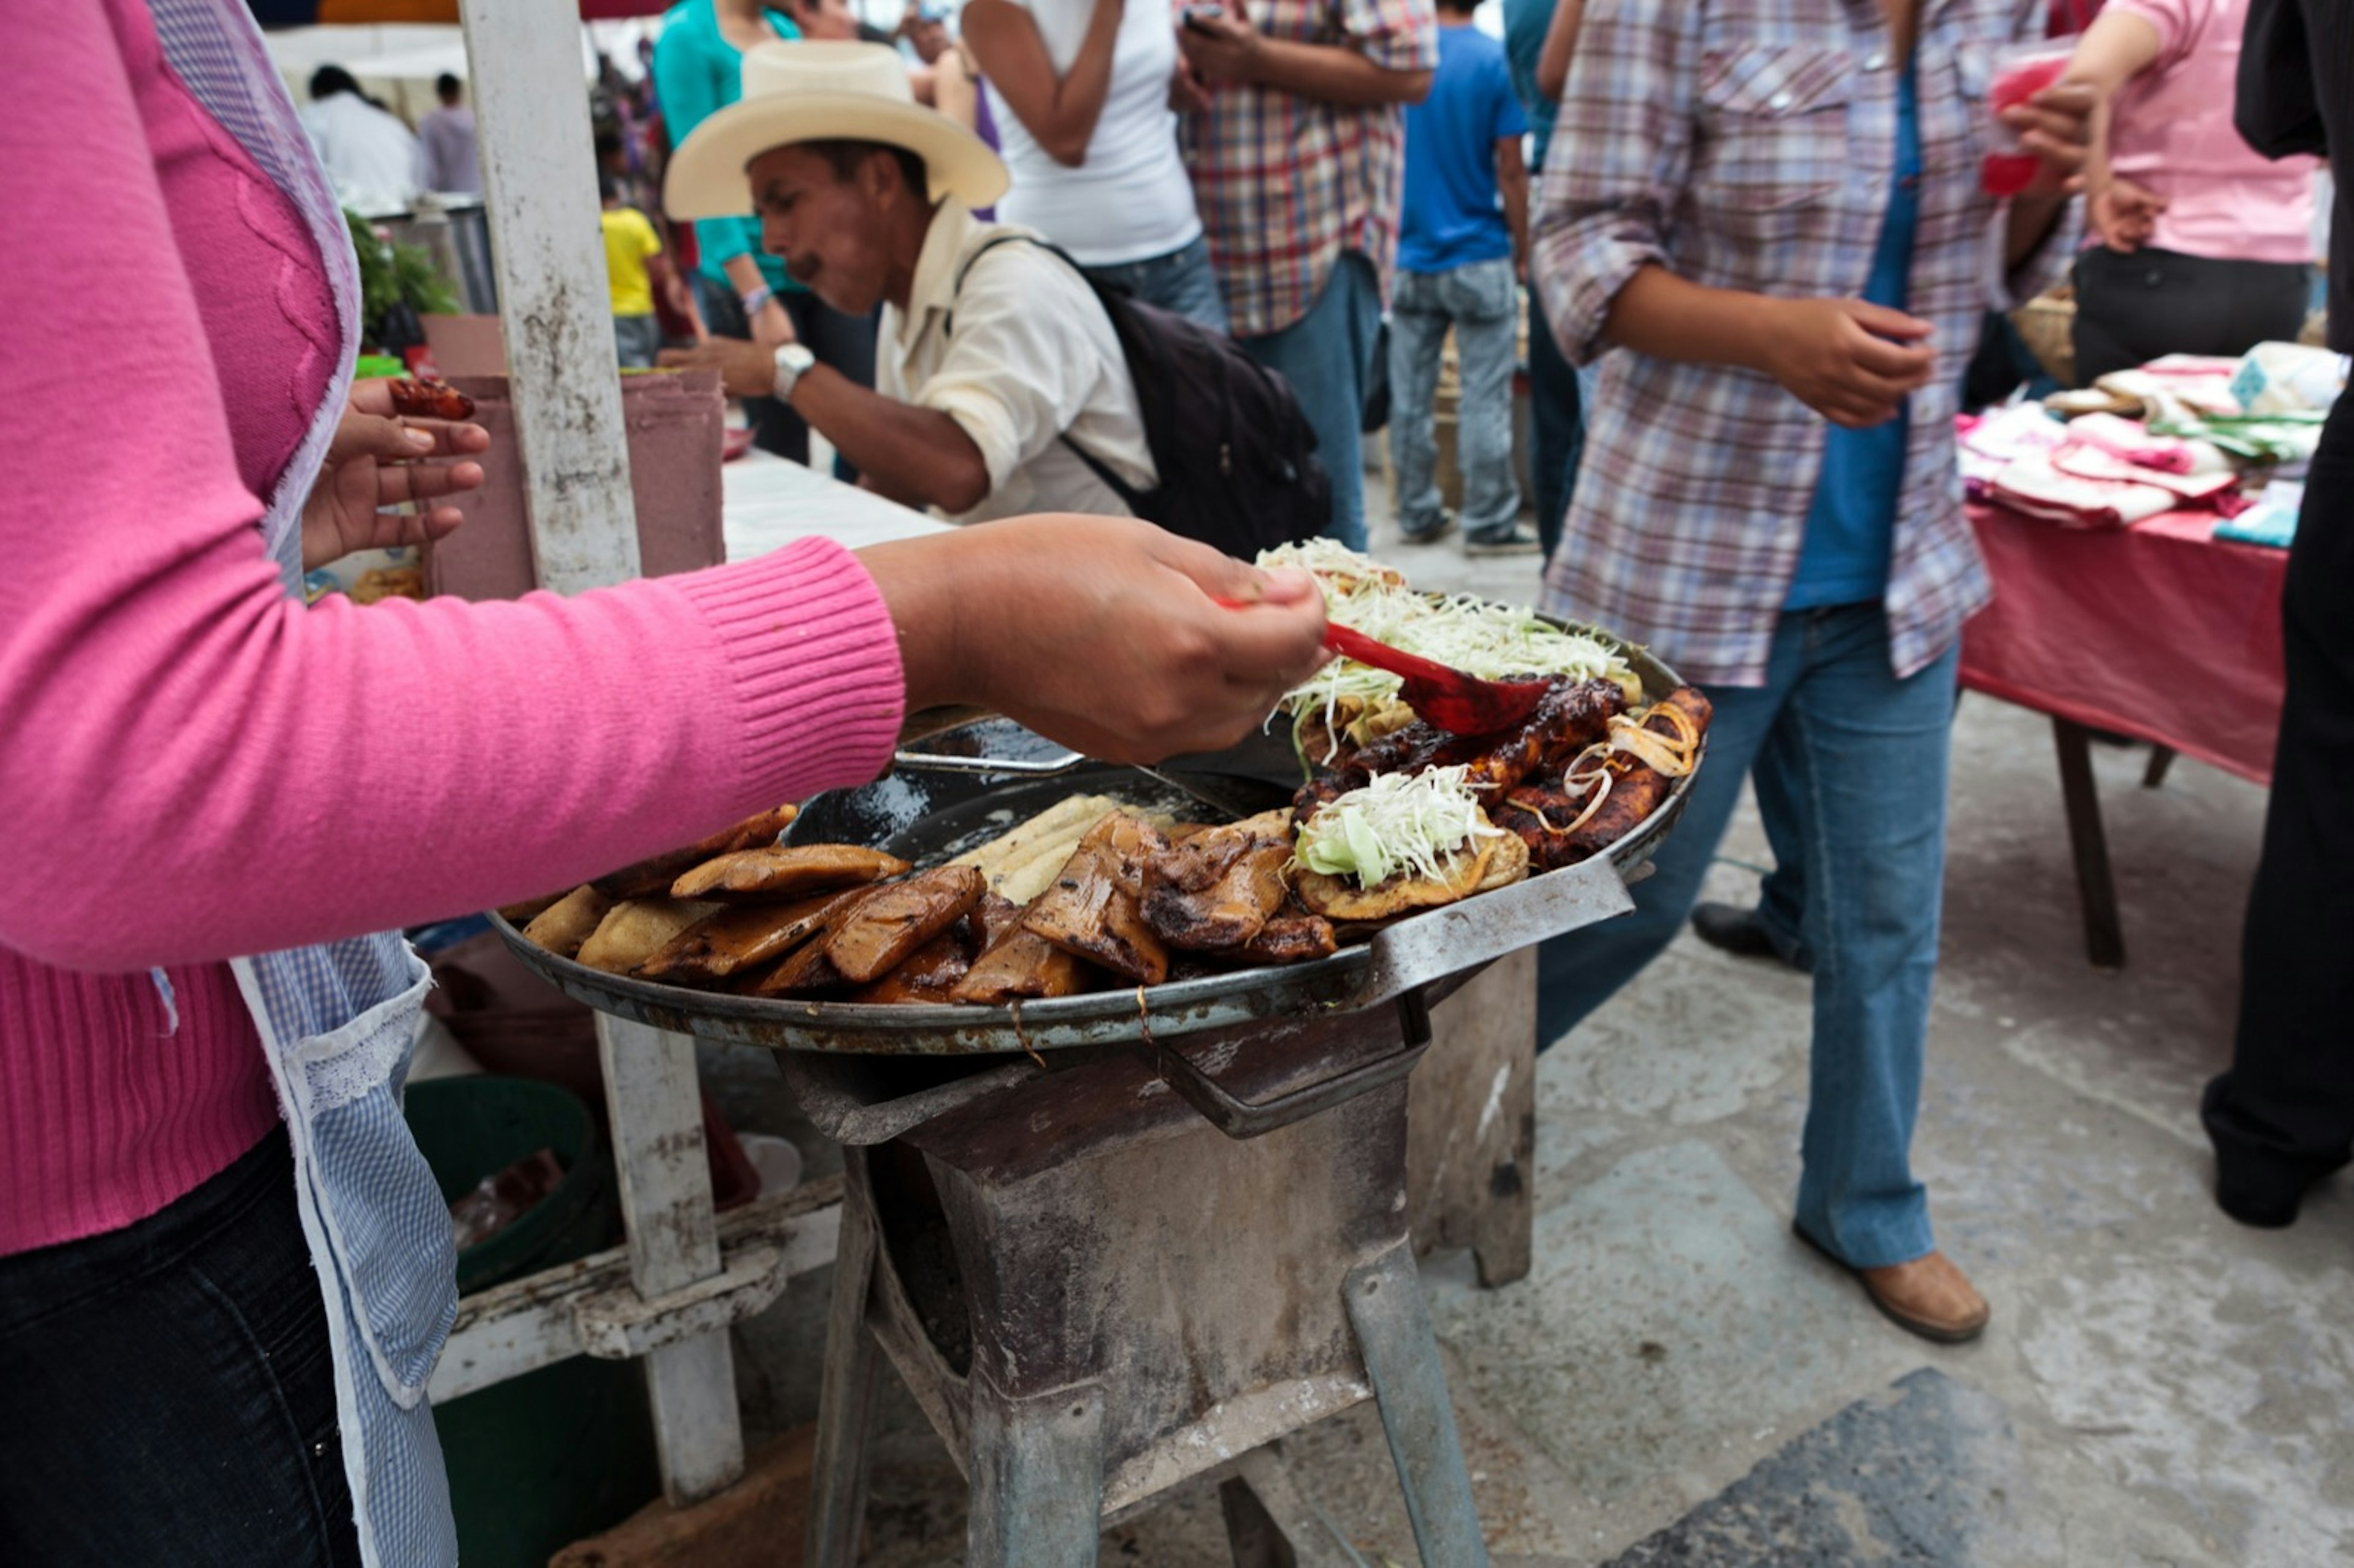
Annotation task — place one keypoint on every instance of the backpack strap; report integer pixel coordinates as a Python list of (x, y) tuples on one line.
[(1129, 496)]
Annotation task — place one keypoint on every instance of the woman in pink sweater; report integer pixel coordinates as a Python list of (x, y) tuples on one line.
[(203, 1318)]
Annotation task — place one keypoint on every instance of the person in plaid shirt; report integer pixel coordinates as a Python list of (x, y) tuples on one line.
[(1774, 208), (1294, 134)]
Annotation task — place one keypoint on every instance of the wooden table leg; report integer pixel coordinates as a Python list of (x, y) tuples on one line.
[(2105, 941), (2161, 757)]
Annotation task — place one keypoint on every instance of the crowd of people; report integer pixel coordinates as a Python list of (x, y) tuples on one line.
[(1758, 231)]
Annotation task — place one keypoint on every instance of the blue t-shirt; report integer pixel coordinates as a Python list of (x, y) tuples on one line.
[(1525, 22), (1451, 215), (1852, 523)]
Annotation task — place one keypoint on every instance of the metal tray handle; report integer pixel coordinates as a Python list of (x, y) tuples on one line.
[(1482, 930)]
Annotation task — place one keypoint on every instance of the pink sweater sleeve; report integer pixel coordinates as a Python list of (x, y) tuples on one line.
[(193, 766)]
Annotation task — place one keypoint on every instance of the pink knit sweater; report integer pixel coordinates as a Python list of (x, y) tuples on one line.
[(192, 765)]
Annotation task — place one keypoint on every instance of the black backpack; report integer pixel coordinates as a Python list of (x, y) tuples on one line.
[(1235, 456)]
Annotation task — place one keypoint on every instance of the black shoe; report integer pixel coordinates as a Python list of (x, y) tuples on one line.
[(2254, 1184), (1729, 929), (1436, 532), (1520, 539)]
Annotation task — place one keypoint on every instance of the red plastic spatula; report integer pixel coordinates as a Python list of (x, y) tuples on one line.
[(1454, 702)]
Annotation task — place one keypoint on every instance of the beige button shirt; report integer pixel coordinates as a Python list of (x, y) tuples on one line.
[(1031, 356)]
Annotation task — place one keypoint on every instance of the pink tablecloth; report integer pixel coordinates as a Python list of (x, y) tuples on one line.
[(2156, 631)]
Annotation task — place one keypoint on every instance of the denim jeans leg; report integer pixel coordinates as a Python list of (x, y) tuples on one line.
[(1782, 896), (1481, 299), (1578, 972), (1184, 282), (1870, 758), (1418, 332), (1327, 355), (1556, 424)]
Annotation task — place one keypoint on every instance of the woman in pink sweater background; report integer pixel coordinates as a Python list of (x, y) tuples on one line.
[(194, 768)]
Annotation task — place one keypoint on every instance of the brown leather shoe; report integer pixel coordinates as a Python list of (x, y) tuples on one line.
[(1930, 1296)]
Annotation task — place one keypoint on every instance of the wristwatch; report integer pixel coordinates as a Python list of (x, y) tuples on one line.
[(792, 361)]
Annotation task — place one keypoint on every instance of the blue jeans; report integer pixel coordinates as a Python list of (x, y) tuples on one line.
[(1475, 299), (170, 1389), (1863, 759), (1557, 425), (1327, 357), (1182, 283)]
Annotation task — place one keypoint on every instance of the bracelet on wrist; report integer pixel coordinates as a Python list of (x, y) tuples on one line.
[(754, 299)]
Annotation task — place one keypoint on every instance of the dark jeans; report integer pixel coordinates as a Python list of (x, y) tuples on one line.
[(845, 343), (2132, 309), (1558, 426), (2283, 1115), (169, 1389)]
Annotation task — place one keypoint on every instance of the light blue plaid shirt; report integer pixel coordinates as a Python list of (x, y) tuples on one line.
[(336, 1019)]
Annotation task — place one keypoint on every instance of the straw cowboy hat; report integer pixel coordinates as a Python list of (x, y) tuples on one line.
[(823, 92)]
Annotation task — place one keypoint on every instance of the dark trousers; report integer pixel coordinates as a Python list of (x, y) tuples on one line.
[(2132, 309), (2283, 1115), (1556, 426), (845, 343), (169, 1390)]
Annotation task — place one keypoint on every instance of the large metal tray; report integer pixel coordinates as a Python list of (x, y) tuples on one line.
[(923, 813)]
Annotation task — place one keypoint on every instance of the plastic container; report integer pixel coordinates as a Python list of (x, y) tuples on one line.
[(2020, 72), (539, 1461)]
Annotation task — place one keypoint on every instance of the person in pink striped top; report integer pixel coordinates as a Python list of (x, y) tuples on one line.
[(196, 768)]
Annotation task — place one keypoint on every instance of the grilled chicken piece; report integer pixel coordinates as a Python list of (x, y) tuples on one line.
[(776, 872), (805, 971), (993, 919), (415, 398), (1021, 964), (653, 876), (931, 971), (1217, 888), (740, 937), (1541, 813), (1293, 936), (898, 917), (1571, 717), (1091, 909)]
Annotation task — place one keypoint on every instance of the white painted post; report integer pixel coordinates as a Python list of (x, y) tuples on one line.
[(539, 181)]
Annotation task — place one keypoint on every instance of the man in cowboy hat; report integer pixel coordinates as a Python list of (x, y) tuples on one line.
[(995, 361)]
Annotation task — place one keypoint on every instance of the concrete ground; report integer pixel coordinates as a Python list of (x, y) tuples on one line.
[(1678, 1381)]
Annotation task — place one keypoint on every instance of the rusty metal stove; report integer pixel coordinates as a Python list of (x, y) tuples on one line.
[(1185, 1242)]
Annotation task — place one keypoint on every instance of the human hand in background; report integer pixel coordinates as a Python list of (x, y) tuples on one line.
[(1187, 92), (376, 461), (1106, 634), (1219, 45), (1851, 361), (2123, 214), (2054, 124), (745, 369)]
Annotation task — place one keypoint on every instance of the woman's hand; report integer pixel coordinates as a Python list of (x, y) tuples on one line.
[(1104, 633), (1851, 361), (2123, 214), (376, 461)]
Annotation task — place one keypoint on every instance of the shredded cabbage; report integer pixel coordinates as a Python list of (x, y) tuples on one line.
[(1399, 821)]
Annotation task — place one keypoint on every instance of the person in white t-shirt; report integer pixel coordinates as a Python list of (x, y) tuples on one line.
[(1000, 386), (373, 159), (1080, 91)]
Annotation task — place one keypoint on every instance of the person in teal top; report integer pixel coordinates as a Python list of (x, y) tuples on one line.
[(744, 291)]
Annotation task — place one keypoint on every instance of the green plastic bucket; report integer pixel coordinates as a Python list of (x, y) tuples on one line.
[(538, 1461)]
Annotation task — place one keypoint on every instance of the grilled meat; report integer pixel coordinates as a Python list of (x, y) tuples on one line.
[(413, 398), (1571, 717), (651, 878), (1091, 908), (931, 971), (1215, 890), (898, 917), (1291, 937), (1021, 964), (1541, 813)]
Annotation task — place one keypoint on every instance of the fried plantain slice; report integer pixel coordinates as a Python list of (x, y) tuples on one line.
[(653, 876), (775, 872), (739, 937), (565, 925), (898, 917)]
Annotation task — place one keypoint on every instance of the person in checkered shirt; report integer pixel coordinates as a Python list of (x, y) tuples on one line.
[(1774, 210), (1294, 134)]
